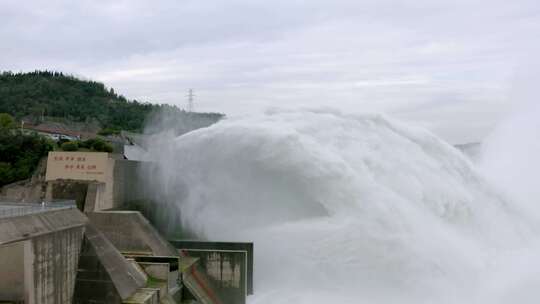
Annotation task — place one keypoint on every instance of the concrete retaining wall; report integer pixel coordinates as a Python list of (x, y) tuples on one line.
[(94, 196), (11, 270), (19, 228), (54, 258), (127, 186), (41, 247)]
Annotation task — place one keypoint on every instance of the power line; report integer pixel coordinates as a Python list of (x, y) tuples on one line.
[(191, 97)]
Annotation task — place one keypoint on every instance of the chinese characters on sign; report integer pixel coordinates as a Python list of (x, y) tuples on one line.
[(77, 165)]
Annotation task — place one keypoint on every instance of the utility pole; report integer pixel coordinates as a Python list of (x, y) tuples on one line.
[(190, 100)]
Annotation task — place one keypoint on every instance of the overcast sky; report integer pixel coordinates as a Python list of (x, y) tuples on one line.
[(446, 64)]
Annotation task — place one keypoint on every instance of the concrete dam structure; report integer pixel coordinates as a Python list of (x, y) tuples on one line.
[(81, 244), (39, 252)]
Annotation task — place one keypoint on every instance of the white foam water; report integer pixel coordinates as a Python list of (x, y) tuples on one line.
[(347, 209)]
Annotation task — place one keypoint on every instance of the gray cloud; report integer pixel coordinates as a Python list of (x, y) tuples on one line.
[(445, 64)]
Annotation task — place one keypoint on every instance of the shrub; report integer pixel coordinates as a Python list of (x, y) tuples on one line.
[(102, 146), (109, 131), (84, 144), (108, 148), (97, 144), (6, 121), (70, 146), (61, 141), (89, 143)]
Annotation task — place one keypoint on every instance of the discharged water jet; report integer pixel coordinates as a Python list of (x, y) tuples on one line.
[(342, 209)]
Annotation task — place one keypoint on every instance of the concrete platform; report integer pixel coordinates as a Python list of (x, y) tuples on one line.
[(143, 296), (104, 270), (131, 233)]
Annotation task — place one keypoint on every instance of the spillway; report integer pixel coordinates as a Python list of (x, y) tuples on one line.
[(345, 208)]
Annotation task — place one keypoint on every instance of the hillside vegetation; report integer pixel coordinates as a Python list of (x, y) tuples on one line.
[(54, 98), (54, 94), (20, 154)]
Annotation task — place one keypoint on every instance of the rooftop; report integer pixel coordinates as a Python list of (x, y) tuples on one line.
[(58, 129)]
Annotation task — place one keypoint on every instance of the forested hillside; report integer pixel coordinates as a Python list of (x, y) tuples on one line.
[(19, 152), (54, 94)]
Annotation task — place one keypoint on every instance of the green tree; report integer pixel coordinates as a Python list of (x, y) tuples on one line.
[(70, 146), (37, 113), (6, 122), (100, 145), (20, 154)]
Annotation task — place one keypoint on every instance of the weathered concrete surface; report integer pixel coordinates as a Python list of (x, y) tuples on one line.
[(227, 267), (135, 152), (127, 183), (143, 296), (23, 191), (89, 195), (54, 258), (11, 272), (230, 264), (68, 190), (13, 229), (162, 272), (94, 195), (158, 274), (105, 276), (156, 270), (138, 268), (199, 286), (130, 232), (48, 240)]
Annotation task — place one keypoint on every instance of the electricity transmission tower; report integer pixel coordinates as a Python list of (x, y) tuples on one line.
[(190, 100)]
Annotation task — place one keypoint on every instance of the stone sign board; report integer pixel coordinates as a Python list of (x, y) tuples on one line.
[(89, 166)]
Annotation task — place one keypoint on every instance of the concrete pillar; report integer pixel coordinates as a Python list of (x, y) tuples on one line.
[(49, 191), (29, 295), (50, 266)]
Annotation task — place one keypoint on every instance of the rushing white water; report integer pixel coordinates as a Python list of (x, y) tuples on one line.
[(346, 209), (511, 156)]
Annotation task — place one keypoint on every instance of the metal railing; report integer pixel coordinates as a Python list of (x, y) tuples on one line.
[(11, 209)]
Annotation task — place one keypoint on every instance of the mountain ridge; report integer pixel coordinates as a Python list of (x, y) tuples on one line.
[(40, 94)]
